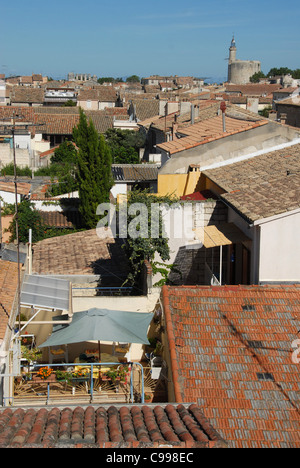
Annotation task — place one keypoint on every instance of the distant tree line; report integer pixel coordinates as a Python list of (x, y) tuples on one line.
[(276, 72), (110, 79)]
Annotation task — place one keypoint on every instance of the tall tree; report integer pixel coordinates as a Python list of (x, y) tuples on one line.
[(124, 145), (93, 170)]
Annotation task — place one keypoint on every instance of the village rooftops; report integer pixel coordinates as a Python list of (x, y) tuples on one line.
[(100, 93), (27, 95), (206, 131), (261, 186), (291, 101), (81, 253), (231, 351), (253, 89)]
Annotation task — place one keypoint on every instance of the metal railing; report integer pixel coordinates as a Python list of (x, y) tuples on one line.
[(89, 380)]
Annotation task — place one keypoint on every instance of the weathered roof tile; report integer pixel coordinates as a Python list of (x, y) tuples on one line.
[(235, 360), (128, 426)]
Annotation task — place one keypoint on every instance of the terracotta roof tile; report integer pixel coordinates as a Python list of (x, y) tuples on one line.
[(206, 131), (231, 349), (80, 253), (29, 95), (125, 427), (22, 187), (101, 93), (255, 89), (259, 187), (68, 220), (134, 172)]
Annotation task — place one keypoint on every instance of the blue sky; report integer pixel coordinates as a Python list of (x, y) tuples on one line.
[(168, 37)]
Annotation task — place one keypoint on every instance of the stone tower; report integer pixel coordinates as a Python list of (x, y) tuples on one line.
[(232, 51), (240, 71)]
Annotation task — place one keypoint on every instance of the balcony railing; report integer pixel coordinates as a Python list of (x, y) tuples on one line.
[(91, 381)]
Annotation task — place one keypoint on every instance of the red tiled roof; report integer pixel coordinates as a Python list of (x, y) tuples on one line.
[(231, 353), (203, 195), (22, 187), (253, 89), (143, 426), (260, 187), (207, 131)]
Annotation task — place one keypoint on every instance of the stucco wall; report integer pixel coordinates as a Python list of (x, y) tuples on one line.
[(280, 249), (177, 184)]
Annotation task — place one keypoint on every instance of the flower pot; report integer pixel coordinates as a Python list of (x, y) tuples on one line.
[(37, 378), (149, 398)]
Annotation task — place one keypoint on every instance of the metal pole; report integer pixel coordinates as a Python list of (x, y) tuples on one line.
[(16, 220), (0, 227), (92, 382), (221, 254)]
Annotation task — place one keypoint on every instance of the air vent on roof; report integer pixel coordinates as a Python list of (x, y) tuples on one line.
[(249, 308), (255, 344), (265, 376)]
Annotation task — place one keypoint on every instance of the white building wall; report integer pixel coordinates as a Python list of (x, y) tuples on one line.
[(280, 249), (118, 189), (9, 197)]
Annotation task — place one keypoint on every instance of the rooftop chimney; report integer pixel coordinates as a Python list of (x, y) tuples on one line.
[(223, 108)]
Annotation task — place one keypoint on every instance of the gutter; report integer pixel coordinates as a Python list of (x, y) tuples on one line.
[(172, 349)]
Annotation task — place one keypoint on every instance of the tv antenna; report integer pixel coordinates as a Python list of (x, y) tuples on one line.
[(8, 126)]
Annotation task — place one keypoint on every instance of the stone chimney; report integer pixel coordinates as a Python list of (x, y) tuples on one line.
[(174, 128), (282, 118)]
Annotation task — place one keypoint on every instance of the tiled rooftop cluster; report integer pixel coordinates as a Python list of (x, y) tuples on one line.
[(80, 253), (125, 427), (232, 355), (253, 186)]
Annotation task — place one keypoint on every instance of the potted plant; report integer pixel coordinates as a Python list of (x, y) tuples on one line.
[(44, 373), (26, 340), (81, 375), (124, 373), (63, 376), (112, 375), (31, 355), (148, 397), (27, 377)]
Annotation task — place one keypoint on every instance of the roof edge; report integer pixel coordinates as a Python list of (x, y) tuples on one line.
[(171, 340)]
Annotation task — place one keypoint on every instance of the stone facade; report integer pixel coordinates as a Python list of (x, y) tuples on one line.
[(191, 262)]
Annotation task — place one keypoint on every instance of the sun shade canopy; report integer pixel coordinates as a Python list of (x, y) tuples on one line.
[(223, 234), (45, 292), (103, 325)]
